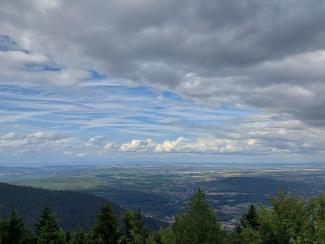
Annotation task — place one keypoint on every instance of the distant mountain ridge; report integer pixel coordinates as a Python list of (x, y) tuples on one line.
[(261, 185)]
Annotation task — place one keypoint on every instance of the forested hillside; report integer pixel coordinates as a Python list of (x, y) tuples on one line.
[(74, 209), (289, 220)]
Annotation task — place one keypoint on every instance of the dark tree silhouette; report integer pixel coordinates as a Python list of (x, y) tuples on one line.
[(106, 228), (198, 224), (47, 228)]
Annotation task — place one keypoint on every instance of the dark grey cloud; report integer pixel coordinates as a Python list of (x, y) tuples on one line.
[(6, 43), (264, 54)]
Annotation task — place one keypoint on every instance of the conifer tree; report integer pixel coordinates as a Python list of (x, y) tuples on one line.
[(79, 237), (47, 228), (13, 230), (247, 230), (198, 224), (133, 228), (167, 235), (106, 227), (2, 229), (250, 218)]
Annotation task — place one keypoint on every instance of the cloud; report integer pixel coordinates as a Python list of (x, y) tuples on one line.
[(256, 136), (6, 43), (32, 142), (18, 57), (138, 146), (179, 145), (242, 76), (201, 145), (240, 52), (18, 64), (169, 145)]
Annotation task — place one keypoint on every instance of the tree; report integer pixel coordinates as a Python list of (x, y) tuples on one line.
[(247, 236), (13, 230), (198, 224), (47, 228), (167, 235), (284, 222), (247, 230), (106, 230), (68, 236), (79, 237), (291, 219), (133, 228), (249, 219), (314, 229)]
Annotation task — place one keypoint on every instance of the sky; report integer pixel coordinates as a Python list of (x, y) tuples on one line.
[(162, 81)]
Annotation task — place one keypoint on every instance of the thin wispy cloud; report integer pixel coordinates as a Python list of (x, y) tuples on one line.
[(207, 78)]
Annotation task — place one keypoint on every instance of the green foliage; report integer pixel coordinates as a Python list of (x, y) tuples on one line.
[(154, 238), (249, 219), (290, 219), (198, 224), (79, 237), (47, 228), (133, 228), (167, 236), (247, 232), (284, 222), (106, 228), (14, 231), (247, 235)]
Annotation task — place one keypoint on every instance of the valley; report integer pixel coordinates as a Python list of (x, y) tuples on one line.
[(160, 190)]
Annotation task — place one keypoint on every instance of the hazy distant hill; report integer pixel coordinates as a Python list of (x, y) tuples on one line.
[(260, 185)]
